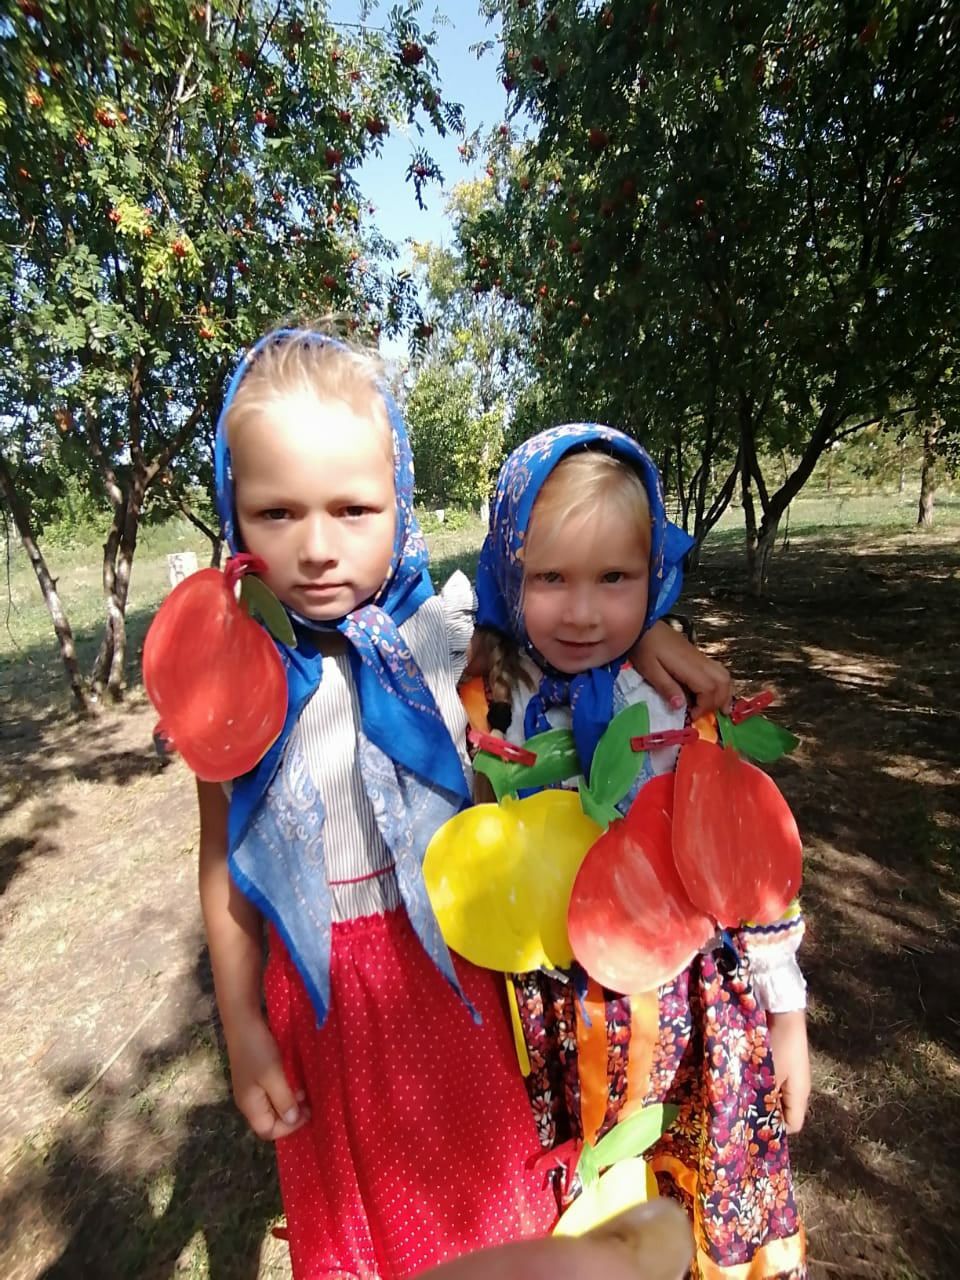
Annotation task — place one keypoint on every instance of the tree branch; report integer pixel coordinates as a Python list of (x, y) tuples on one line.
[(869, 422), (197, 522)]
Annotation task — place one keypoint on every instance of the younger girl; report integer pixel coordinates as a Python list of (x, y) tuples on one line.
[(386, 1070), (576, 564)]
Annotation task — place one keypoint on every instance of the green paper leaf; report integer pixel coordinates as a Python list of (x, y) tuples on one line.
[(260, 599), (497, 771), (602, 814), (556, 761), (615, 763), (757, 737), (634, 1135), (763, 740), (588, 1167)]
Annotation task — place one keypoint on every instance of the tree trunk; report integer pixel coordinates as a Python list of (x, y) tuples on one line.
[(903, 466), (103, 660), (48, 585), (704, 518), (750, 528), (118, 552), (214, 537), (928, 477), (763, 552)]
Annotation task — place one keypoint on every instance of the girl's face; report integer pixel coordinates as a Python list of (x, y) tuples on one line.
[(315, 498), (585, 589)]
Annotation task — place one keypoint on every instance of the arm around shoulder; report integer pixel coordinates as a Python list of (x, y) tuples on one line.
[(670, 663)]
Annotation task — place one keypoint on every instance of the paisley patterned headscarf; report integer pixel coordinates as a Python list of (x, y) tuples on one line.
[(500, 571), (410, 765)]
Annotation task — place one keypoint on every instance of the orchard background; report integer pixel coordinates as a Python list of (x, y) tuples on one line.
[(728, 228)]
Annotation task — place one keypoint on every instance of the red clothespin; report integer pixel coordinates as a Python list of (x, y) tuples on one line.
[(500, 747), (743, 708), (565, 1157), (665, 738), (243, 563)]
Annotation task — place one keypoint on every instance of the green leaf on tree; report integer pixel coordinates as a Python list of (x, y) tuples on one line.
[(260, 600)]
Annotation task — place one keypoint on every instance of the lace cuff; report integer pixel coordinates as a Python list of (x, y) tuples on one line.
[(460, 606), (778, 982)]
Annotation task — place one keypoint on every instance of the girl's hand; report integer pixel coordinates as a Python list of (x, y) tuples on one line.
[(260, 1086), (791, 1061), (667, 660), (651, 1242)]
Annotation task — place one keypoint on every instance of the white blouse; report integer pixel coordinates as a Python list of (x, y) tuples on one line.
[(359, 866)]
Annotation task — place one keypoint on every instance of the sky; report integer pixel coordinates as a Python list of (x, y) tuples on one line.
[(473, 82)]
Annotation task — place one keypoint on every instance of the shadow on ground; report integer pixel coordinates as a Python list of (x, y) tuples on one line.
[(152, 1174), (860, 646)]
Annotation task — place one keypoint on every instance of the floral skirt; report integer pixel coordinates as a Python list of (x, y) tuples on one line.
[(420, 1136), (701, 1044)]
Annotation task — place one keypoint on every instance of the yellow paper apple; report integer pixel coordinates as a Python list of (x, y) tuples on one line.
[(627, 1184), (499, 877)]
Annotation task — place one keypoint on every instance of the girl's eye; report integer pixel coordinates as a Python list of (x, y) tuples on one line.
[(354, 513), (550, 575), (614, 575), (275, 513)]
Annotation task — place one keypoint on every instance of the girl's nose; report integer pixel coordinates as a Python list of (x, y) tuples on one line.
[(580, 607), (318, 542)]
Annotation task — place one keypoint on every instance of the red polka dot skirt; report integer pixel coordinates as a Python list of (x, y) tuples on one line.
[(421, 1138)]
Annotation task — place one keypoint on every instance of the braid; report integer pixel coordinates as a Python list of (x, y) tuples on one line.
[(499, 659), (498, 656)]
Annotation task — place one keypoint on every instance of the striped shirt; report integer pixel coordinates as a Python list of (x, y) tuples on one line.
[(359, 865)]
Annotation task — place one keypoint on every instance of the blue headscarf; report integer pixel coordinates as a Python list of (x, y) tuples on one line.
[(410, 766), (500, 571)]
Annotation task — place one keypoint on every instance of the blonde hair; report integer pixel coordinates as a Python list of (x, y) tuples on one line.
[(570, 494), (299, 364), (578, 484)]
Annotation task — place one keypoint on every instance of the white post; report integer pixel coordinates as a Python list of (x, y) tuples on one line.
[(180, 565)]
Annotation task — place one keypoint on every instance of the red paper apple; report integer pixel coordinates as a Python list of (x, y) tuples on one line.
[(631, 923), (215, 678), (735, 841)]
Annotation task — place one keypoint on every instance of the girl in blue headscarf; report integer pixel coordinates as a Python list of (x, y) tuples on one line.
[(579, 562), (384, 1069)]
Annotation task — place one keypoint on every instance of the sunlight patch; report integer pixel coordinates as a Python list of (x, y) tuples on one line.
[(160, 1193), (194, 1260)]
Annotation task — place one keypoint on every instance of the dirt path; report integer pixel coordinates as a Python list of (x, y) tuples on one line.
[(144, 1170)]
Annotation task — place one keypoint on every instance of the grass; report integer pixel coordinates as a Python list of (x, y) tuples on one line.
[(841, 515), (28, 650)]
